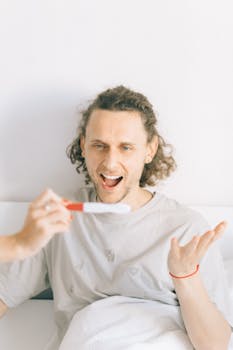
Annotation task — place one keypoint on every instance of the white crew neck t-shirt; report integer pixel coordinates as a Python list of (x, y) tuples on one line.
[(107, 255)]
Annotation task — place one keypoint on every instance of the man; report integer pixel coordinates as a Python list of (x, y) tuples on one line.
[(151, 254)]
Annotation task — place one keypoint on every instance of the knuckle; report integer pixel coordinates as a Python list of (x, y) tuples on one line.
[(31, 207), (33, 215), (48, 191), (37, 222), (63, 211), (40, 224)]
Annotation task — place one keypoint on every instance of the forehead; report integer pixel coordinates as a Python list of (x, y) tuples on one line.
[(123, 125)]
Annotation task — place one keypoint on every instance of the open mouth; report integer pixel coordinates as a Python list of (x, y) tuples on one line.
[(110, 180)]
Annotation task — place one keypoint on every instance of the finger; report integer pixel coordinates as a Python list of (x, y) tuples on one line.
[(191, 246), (66, 201), (49, 229), (55, 214), (205, 240), (220, 229), (45, 228), (212, 235), (47, 196), (60, 227), (222, 225), (36, 213), (52, 205), (59, 215)]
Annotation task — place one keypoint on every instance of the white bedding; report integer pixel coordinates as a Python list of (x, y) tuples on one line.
[(120, 323), (123, 323)]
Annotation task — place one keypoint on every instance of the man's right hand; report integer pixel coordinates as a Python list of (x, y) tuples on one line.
[(47, 215)]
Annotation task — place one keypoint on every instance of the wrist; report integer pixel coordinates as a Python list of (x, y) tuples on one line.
[(189, 288), (185, 275), (20, 246)]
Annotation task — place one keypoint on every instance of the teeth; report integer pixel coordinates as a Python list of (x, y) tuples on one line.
[(111, 177)]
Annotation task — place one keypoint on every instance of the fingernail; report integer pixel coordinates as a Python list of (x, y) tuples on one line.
[(64, 200), (222, 228)]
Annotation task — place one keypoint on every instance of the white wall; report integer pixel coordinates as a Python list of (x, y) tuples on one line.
[(56, 54)]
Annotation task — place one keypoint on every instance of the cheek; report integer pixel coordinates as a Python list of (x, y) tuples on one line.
[(93, 160), (136, 163)]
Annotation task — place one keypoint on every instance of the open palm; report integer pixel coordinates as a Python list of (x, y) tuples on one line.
[(182, 260)]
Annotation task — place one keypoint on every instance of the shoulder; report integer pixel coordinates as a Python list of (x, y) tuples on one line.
[(178, 215), (170, 206)]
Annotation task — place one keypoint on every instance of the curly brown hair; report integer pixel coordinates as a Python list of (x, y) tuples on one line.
[(121, 98)]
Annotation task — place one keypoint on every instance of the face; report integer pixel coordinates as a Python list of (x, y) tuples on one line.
[(115, 149)]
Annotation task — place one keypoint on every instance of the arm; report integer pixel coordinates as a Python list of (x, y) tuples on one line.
[(205, 324), (9, 249), (39, 227)]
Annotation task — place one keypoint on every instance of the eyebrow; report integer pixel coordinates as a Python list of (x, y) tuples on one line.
[(122, 143)]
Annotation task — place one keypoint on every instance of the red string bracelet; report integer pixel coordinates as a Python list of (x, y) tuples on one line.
[(185, 276)]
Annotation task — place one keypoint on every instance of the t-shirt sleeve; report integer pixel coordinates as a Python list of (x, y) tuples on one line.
[(21, 280)]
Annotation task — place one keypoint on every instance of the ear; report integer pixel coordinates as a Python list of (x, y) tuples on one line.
[(152, 148), (82, 142)]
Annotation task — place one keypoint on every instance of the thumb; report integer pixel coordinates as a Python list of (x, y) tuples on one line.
[(174, 246)]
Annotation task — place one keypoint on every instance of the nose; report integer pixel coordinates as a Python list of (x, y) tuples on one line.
[(111, 159)]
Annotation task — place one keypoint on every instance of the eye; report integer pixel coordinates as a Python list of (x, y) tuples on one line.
[(99, 146), (126, 147)]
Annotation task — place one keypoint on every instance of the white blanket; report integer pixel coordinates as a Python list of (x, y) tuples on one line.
[(120, 323)]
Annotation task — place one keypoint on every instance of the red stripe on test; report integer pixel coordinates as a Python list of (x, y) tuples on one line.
[(75, 206)]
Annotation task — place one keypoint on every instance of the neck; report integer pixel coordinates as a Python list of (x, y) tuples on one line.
[(142, 198), (136, 200)]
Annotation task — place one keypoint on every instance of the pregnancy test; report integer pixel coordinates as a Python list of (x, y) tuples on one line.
[(92, 207)]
